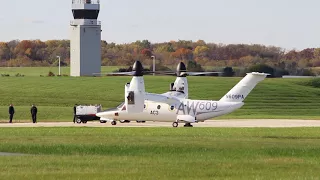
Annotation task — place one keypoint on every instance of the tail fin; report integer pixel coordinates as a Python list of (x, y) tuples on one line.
[(240, 91)]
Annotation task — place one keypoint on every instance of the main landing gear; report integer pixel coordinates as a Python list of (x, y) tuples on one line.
[(188, 125), (113, 123)]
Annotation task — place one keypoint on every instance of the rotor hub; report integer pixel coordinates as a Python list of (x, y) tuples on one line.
[(137, 69), (181, 70)]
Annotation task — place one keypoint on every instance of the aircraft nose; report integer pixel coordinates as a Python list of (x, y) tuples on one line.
[(103, 114), (99, 114)]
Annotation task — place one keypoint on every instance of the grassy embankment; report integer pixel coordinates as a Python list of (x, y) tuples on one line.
[(55, 96), (160, 153), (43, 71)]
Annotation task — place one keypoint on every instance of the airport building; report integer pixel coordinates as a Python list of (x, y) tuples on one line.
[(85, 38)]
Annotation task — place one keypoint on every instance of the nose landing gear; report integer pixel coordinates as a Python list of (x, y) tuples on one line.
[(175, 124)]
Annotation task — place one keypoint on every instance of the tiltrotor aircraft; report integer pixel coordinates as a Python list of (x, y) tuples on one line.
[(174, 106)]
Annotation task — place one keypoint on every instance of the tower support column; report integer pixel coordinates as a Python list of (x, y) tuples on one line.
[(85, 39)]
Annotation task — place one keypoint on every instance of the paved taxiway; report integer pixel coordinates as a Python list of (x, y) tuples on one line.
[(215, 123)]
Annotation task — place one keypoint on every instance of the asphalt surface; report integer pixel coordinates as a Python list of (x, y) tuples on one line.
[(272, 123)]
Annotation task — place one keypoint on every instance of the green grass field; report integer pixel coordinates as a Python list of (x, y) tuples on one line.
[(55, 96), (160, 153), (43, 71)]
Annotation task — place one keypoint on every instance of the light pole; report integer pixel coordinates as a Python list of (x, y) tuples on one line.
[(154, 64), (59, 66)]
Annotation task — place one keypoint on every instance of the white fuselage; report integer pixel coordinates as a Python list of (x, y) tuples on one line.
[(174, 106), (154, 111)]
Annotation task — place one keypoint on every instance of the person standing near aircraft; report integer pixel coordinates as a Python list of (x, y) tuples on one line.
[(11, 112), (34, 111), (74, 113)]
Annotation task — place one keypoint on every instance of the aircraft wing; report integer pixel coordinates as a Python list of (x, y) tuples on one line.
[(202, 73), (175, 94), (161, 98)]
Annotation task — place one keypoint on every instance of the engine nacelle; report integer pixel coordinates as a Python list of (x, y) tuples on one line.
[(171, 87), (181, 85), (134, 95)]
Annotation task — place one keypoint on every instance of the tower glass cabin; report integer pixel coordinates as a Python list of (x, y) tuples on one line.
[(85, 40)]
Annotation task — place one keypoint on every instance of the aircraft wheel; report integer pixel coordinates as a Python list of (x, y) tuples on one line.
[(103, 121), (122, 121), (175, 124), (79, 121), (113, 123)]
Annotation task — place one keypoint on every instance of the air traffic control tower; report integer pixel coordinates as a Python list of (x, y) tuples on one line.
[(85, 40)]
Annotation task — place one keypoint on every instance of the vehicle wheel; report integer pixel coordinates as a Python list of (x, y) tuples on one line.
[(79, 121), (103, 121), (122, 121), (175, 124), (84, 122), (113, 123)]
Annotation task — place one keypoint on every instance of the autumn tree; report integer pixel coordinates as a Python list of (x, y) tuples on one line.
[(44, 53), (146, 52), (201, 51), (183, 54), (4, 51)]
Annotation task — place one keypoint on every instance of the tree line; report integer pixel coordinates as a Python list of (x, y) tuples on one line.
[(18, 53)]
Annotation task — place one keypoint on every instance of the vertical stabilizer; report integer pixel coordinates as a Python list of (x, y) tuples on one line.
[(240, 91)]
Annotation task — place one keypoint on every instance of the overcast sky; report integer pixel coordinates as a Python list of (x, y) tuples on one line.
[(286, 23)]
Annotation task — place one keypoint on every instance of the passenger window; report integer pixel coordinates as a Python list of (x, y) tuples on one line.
[(159, 107)]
